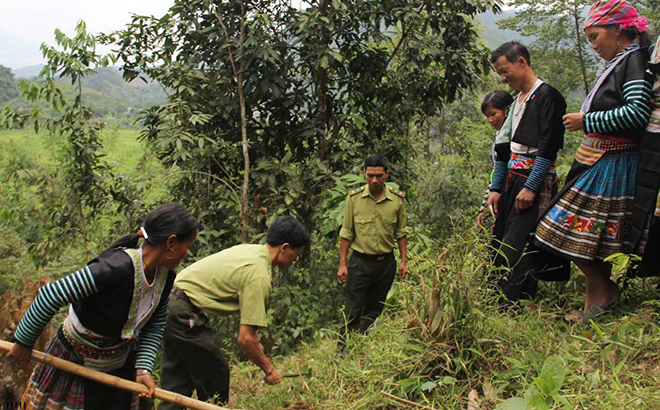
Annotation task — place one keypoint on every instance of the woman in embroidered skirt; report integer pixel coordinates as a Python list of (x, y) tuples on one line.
[(591, 217), (117, 314)]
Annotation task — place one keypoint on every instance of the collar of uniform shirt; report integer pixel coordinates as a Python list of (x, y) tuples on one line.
[(387, 194)]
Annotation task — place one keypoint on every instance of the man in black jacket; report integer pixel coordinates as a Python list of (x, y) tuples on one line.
[(524, 178)]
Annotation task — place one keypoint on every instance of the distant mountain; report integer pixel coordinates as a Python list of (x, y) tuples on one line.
[(105, 92), (493, 35), (28, 72)]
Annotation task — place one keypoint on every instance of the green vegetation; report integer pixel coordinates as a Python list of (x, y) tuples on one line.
[(8, 86), (271, 113), (537, 352), (104, 91), (123, 151)]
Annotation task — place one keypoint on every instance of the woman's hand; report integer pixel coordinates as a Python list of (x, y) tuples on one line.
[(20, 353), (148, 381), (574, 121), (493, 201)]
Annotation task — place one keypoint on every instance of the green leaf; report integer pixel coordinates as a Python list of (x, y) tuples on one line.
[(417, 348), (514, 403), (537, 402), (552, 376), (598, 330), (448, 380), (437, 319), (409, 383)]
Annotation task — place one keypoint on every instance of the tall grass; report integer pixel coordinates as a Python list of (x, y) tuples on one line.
[(443, 335)]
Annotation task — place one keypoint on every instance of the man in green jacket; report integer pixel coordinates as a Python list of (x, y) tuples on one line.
[(374, 223), (236, 280)]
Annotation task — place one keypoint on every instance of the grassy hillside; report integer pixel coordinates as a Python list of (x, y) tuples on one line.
[(122, 147), (503, 357)]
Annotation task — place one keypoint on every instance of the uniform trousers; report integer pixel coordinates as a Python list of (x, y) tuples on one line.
[(370, 278), (191, 361)]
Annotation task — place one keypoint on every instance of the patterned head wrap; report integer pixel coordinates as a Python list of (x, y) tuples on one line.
[(621, 12)]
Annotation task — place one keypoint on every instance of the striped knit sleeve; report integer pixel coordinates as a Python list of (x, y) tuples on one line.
[(151, 336), (537, 176), (50, 299), (499, 173), (634, 114)]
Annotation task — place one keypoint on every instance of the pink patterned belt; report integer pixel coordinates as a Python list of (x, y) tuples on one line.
[(594, 146), (520, 161)]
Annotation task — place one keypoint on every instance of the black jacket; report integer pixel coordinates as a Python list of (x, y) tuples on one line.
[(106, 312), (541, 125)]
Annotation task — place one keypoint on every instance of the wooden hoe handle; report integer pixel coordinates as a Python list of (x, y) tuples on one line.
[(115, 381)]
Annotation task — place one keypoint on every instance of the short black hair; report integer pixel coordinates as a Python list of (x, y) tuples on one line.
[(499, 99), (376, 160), (287, 229), (512, 50)]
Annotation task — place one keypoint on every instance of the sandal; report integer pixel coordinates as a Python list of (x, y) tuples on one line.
[(597, 310)]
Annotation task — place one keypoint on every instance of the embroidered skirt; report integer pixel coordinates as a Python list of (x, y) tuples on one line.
[(50, 388), (590, 219)]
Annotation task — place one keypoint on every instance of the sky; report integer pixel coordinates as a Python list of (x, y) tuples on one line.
[(25, 24)]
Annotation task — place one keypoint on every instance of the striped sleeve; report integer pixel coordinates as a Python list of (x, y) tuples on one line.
[(151, 336), (537, 176), (50, 299), (634, 114), (499, 173)]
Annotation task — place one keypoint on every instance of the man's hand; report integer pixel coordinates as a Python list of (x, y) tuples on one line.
[(342, 273), (20, 353), (148, 381), (574, 121), (403, 270), (248, 338), (494, 200), (273, 377), (525, 199)]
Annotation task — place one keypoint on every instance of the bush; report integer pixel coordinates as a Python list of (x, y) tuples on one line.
[(445, 196), (12, 259)]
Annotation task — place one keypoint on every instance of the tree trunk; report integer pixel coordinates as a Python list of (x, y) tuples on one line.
[(246, 160), (81, 209), (321, 77), (427, 146), (239, 70), (578, 37)]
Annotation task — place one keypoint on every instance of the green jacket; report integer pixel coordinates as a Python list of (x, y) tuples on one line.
[(374, 226)]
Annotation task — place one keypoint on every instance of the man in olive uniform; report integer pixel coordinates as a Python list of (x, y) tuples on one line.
[(374, 223), (237, 279)]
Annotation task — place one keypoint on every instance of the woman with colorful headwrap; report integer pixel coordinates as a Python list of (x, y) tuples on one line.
[(590, 219)]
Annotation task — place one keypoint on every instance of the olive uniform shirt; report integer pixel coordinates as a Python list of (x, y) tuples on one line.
[(374, 226), (236, 279)]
